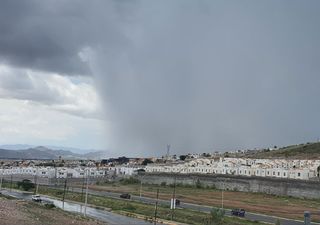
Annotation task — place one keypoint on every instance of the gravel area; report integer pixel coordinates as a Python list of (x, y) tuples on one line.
[(19, 212)]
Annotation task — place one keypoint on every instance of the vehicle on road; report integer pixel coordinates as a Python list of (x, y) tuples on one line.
[(177, 202), (36, 198), (127, 196), (238, 212)]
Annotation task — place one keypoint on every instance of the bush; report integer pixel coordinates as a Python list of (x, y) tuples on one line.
[(25, 184), (198, 184), (129, 207), (49, 205), (215, 218), (163, 184), (130, 180)]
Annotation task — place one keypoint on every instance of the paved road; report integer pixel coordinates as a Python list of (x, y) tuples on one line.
[(109, 217), (202, 208)]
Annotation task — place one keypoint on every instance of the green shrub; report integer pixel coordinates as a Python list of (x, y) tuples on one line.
[(25, 184), (198, 184), (130, 180), (215, 218), (49, 205)]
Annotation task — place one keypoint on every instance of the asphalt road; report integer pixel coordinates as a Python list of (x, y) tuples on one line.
[(202, 208), (103, 215)]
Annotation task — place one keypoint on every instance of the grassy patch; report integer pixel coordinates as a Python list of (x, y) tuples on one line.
[(117, 205)]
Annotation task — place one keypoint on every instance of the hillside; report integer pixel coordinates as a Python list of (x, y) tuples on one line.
[(39, 152), (301, 151)]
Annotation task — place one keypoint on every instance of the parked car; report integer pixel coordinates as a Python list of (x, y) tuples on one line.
[(238, 212), (177, 202), (127, 196), (36, 198)]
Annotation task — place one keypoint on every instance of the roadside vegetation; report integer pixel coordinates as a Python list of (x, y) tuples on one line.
[(131, 208), (282, 206), (145, 211), (17, 212)]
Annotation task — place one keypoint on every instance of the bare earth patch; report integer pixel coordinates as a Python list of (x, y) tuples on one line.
[(19, 212)]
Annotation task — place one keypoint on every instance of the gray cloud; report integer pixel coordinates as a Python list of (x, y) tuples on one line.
[(45, 36), (199, 75), (77, 97)]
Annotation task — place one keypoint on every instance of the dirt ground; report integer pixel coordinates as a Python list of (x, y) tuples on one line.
[(254, 202), (19, 212)]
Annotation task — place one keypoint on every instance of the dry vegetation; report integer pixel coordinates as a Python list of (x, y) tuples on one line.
[(19, 212), (287, 207)]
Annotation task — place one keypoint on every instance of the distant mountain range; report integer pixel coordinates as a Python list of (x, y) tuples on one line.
[(41, 152)]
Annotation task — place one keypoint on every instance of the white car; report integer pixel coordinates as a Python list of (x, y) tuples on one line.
[(36, 198)]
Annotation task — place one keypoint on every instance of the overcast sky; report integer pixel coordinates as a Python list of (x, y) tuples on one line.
[(134, 76)]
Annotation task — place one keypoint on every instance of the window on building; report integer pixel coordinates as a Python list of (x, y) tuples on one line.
[(278, 173), (298, 174), (274, 173), (284, 174)]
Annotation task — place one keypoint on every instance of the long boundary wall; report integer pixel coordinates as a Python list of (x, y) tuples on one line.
[(274, 186)]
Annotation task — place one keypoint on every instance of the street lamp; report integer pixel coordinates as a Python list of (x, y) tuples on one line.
[(173, 200), (86, 199), (141, 186), (1, 179), (222, 193)]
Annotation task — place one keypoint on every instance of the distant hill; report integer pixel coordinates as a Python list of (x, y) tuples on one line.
[(301, 151), (52, 147), (42, 152)]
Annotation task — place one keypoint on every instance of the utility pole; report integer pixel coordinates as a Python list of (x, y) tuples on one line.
[(82, 188), (64, 192), (86, 200), (156, 208), (141, 187), (36, 182), (1, 179), (11, 181), (222, 193), (173, 201), (37, 188)]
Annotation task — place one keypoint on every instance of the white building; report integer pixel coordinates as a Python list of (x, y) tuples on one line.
[(58, 172), (279, 168)]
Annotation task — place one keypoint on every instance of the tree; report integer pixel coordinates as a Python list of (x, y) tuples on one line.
[(182, 157), (146, 161), (216, 217), (206, 155), (26, 185)]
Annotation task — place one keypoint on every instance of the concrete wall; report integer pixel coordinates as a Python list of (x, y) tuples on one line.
[(274, 186), (52, 181)]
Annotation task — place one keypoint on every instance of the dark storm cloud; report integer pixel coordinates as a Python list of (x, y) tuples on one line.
[(46, 35), (200, 75)]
